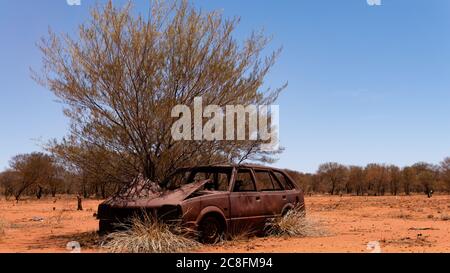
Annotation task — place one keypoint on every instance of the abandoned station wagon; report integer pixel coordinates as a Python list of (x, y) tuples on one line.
[(212, 200)]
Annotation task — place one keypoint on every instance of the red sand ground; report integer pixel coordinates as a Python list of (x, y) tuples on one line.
[(399, 224)]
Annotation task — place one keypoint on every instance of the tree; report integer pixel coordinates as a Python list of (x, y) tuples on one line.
[(356, 180), (408, 179), (34, 169), (304, 181), (426, 175), (394, 177), (445, 171), (97, 171), (56, 180), (122, 76), (8, 180), (333, 174), (377, 178)]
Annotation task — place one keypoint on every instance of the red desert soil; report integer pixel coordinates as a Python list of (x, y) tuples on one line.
[(398, 224)]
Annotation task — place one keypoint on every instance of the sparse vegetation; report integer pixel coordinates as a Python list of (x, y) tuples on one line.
[(148, 235)]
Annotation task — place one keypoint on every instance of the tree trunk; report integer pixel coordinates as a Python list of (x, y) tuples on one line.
[(39, 192), (79, 203), (85, 192), (103, 191), (407, 192)]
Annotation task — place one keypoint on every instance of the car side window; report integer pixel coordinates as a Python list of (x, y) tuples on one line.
[(244, 181), (277, 185), (265, 182), (283, 180)]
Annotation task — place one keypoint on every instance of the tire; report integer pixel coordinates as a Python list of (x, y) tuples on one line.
[(211, 230), (104, 227), (285, 211)]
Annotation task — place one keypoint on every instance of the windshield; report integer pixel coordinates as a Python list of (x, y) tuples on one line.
[(220, 178)]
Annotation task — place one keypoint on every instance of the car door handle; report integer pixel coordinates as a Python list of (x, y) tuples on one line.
[(258, 198), (284, 197)]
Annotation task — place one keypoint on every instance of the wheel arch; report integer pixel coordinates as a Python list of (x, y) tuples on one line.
[(214, 212), (287, 208)]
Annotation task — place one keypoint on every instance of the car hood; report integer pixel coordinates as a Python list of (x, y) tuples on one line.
[(156, 200)]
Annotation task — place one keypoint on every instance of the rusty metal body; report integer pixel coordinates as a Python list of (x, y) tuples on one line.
[(236, 196)]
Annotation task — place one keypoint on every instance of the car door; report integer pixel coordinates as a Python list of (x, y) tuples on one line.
[(245, 201), (291, 193), (273, 196)]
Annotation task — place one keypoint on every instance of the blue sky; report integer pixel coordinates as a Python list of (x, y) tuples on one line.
[(366, 83)]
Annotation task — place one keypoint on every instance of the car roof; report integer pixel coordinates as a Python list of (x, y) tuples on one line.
[(251, 166)]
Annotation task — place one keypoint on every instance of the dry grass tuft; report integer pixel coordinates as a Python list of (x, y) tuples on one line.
[(241, 235), (294, 224), (148, 235), (238, 234)]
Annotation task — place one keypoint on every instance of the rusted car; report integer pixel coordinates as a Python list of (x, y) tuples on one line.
[(212, 200)]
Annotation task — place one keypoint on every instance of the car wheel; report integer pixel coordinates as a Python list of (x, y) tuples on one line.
[(104, 227), (285, 212), (211, 230)]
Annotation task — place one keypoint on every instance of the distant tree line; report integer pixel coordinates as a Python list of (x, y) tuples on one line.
[(40, 174), (376, 179)]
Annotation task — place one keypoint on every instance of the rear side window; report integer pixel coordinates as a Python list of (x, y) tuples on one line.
[(283, 180), (265, 181), (244, 182)]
